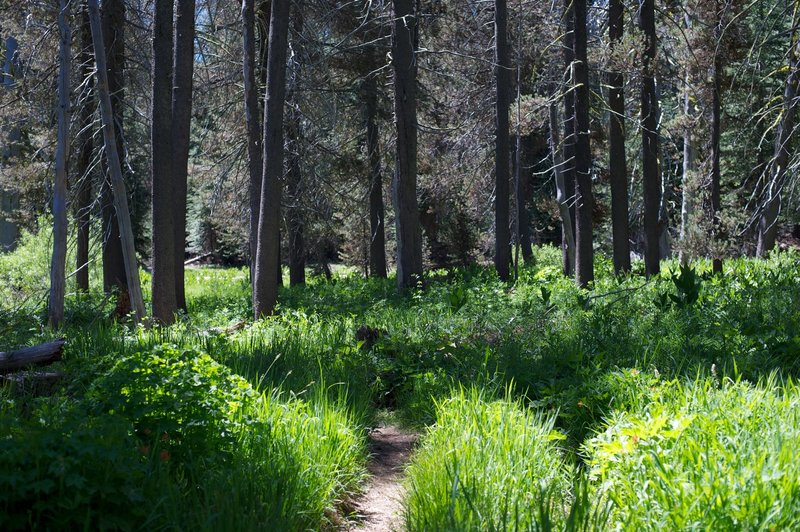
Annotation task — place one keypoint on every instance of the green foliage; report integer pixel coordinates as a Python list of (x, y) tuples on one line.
[(703, 456), (217, 422), (687, 284), (179, 401), (484, 465), (170, 438)]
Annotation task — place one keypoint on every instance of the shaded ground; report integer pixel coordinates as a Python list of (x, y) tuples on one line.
[(380, 507)]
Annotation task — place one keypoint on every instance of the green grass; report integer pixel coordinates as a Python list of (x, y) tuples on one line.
[(702, 455), (485, 465), (594, 366)]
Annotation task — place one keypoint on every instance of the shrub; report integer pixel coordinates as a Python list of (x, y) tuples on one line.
[(169, 438)]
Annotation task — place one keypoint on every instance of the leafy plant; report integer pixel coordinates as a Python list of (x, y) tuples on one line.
[(688, 285)]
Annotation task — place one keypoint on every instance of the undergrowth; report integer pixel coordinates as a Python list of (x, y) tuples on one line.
[(270, 416)]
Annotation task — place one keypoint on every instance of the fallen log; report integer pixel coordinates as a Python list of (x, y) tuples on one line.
[(38, 355), (197, 258)]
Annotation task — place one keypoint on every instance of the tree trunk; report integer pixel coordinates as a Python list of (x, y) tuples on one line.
[(252, 119), (377, 240), (115, 169), (9, 200), (618, 167), (294, 210), (687, 204), (561, 188), (165, 302), (294, 172), (409, 233), (522, 177), (568, 172), (55, 311), (113, 29), (263, 18), (650, 169), (716, 133), (768, 223), (502, 69), (584, 251), (267, 263), (183, 69), (83, 194)]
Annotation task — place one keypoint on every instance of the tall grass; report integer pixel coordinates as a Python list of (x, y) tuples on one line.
[(703, 455), (485, 465)]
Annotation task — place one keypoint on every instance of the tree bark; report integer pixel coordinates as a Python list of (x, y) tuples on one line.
[(568, 166), (377, 240), (687, 204), (502, 69), (37, 355), (83, 194), (267, 263), (584, 251), (409, 233), (252, 119), (9, 70), (617, 163), (716, 135), (165, 302), (294, 172), (55, 309), (115, 169), (561, 188), (768, 223), (113, 29), (183, 69), (650, 168), (524, 164)]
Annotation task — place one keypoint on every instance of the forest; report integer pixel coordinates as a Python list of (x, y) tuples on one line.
[(424, 265)]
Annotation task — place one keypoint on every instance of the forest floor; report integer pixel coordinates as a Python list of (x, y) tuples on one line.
[(380, 507)]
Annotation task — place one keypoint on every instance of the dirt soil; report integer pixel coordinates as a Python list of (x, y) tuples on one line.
[(380, 507)]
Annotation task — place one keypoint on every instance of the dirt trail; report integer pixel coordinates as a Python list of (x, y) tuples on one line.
[(381, 505)]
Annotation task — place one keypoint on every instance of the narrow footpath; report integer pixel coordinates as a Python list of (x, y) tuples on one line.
[(380, 507)]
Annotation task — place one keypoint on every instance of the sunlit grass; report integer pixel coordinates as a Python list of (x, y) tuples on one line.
[(485, 465), (702, 455)]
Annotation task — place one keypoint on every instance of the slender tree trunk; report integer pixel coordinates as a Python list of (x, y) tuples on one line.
[(768, 223), (266, 286), (377, 240), (616, 147), (409, 233), (165, 303), (294, 171), (568, 45), (55, 309), (113, 29), (502, 68), (83, 194), (263, 19), (584, 251), (524, 165), (114, 166), (9, 200), (650, 168), (561, 188), (253, 118), (716, 134), (687, 205), (183, 69)]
